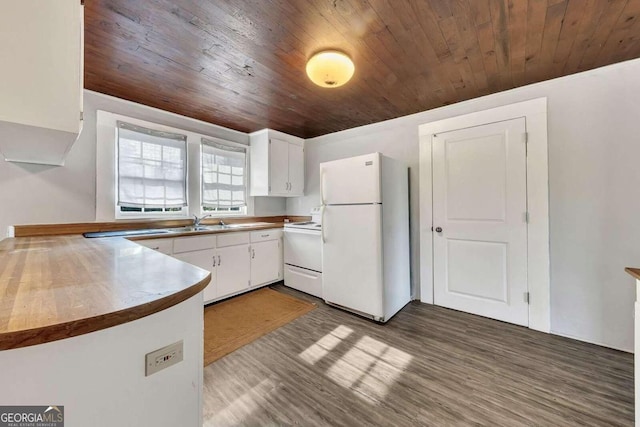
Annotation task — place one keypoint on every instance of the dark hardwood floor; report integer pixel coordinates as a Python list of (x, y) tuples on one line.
[(427, 366)]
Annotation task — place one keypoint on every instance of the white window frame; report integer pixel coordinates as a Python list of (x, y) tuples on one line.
[(106, 178), (243, 211), (182, 213)]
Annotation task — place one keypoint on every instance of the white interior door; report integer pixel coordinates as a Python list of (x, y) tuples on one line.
[(480, 204)]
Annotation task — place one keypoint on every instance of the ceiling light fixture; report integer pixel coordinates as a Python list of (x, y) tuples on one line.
[(330, 68)]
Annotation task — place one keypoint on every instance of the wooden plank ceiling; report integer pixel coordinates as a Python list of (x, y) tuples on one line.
[(241, 64)]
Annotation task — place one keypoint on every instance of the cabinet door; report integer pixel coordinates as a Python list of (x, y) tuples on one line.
[(266, 262), (203, 259), (296, 170), (233, 270), (278, 166)]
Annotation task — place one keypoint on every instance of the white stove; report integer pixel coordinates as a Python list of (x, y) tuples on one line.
[(308, 225), (314, 224), (303, 255)]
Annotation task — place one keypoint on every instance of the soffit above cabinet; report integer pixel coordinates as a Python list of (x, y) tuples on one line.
[(41, 79)]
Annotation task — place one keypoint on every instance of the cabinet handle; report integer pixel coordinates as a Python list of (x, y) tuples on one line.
[(219, 261), (156, 248), (214, 260), (253, 253)]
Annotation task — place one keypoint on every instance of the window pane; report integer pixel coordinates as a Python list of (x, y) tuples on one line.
[(223, 176), (152, 168)]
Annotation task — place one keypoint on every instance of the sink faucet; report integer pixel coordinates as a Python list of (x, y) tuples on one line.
[(197, 221), (222, 223)]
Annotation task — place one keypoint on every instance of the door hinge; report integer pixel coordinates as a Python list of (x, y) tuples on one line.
[(526, 217), (526, 297), (81, 116), (525, 139)]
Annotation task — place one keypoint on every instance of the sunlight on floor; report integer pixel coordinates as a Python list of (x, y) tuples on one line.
[(325, 344), (242, 408), (368, 368)]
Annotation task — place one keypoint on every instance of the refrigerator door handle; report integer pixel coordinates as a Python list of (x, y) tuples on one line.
[(322, 188), (323, 223)]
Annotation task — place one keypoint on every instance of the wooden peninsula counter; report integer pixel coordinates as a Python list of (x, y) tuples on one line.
[(78, 318), (63, 286), (81, 320)]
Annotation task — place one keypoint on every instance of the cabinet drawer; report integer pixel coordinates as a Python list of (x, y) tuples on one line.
[(263, 235), (232, 239), (164, 246), (303, 280), (195, 243)]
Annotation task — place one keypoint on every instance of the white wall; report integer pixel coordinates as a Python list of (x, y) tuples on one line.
[(593, 124), (36, 194), (100, 379)]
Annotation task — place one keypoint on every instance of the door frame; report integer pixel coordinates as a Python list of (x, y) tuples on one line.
[(538, 270)]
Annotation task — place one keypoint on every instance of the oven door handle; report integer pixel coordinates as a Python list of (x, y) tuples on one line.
[(303, 272)]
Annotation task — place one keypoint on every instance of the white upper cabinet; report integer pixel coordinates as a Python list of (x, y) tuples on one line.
[(41, 79), (277, 164)]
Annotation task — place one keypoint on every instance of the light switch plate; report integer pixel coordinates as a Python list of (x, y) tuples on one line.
[(164, 357)]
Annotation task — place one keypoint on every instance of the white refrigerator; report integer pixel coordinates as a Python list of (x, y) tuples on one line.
[(365, 235)]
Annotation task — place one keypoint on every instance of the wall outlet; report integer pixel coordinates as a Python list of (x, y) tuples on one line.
[(163, 358)]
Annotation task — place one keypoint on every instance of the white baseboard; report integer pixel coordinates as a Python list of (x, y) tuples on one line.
[(590, 341)]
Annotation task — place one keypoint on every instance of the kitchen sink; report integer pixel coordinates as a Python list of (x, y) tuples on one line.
[(190, 228), (247, 224), (187, 229)]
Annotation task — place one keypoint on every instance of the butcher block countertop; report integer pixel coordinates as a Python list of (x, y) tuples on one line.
[(56, 284), (55, 287), (635, 272)]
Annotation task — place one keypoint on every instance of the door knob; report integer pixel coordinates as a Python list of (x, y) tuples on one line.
[(438, 229)]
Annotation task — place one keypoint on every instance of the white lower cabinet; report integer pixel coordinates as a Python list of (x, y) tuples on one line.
[(204, 259), (233, 269), (266, 256), (238, 261), (266, 264)]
